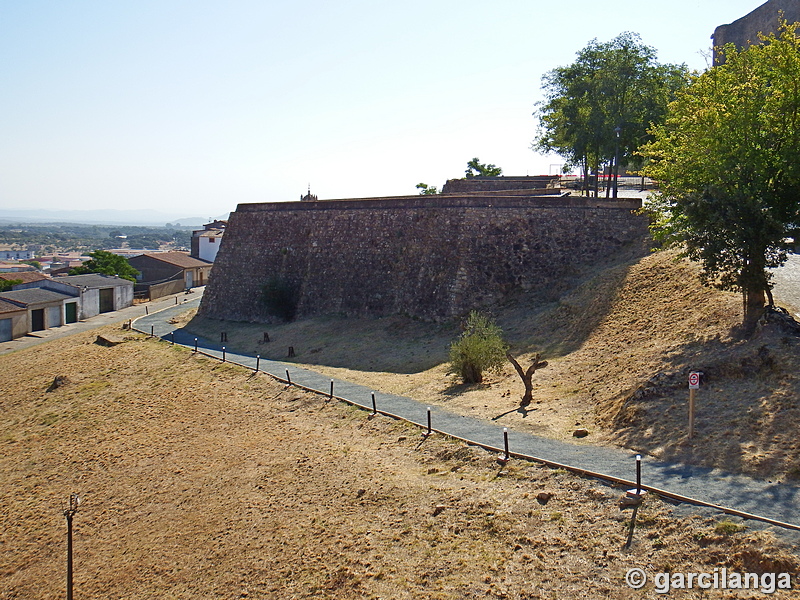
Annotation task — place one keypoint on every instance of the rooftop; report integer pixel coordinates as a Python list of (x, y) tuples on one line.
[(179, 259), (33, 296), (93, 280), (23, 276), (9, 307)]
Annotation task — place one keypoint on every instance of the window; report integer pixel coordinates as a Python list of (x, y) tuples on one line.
[(212, 240)]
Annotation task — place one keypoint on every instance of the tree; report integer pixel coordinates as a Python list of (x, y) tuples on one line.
[(475, 168), (106, 263), (527, 375), (479, 348), (599, 108), (7, 284), (728, 159), (427, 190)]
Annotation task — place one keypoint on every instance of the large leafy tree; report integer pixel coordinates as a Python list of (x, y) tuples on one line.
[(475, 168), (728, 159), (106, 263), (600, 107)]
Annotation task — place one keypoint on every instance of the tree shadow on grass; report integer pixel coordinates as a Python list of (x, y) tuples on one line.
[(523, 410)]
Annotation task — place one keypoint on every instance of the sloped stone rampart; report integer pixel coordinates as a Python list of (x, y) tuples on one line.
[(431, 258)]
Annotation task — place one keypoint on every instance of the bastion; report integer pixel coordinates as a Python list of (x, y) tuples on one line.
[(430, 257)]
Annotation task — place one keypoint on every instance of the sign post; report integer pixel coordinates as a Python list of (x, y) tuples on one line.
[(694, 385)]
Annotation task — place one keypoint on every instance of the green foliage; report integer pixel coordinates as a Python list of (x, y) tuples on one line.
[(477, 169), (727, 160), (6, 285), (34, 263), (106, 263), (427, 190), (613, 85), (68, 237), (479, 348), (728, 527), (280, 298)]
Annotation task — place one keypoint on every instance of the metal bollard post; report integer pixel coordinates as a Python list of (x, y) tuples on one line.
[(331, 389), (505, 443), (152, 330), (374, 405), (288, 379), (223, 354), (172, 337), (195, 345), (427, 433), (638, 474), (258, 360)]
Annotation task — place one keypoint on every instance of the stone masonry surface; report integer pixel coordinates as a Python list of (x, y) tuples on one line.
[(428, 257)]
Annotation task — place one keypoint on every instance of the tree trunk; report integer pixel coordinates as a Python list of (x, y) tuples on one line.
[(754, 302), (527, 376)]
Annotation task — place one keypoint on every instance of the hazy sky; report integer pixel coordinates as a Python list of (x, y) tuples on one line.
[(196, 106)]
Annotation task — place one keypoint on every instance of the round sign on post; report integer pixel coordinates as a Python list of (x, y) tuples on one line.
[(694, 380)]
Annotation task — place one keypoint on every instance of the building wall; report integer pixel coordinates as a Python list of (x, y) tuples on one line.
[(429, 257), (207, 250), (763, 19), (89, 304), (19, 323), (153, 270)]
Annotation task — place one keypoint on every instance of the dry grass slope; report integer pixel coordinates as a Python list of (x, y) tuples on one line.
[(201, 480), (620, 344)]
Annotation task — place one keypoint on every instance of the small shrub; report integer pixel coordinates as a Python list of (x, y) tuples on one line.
[(728, 527), (480, 348)]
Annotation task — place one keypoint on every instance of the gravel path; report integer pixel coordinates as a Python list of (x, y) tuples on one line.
[(775, 500)]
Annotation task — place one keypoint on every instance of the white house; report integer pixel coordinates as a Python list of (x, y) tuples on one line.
[(206, 241)]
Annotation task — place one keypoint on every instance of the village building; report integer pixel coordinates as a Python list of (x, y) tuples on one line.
[(206, 241), (165, 273)]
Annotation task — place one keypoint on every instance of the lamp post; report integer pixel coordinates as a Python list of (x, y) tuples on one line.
[(617, 130), (69, 512)]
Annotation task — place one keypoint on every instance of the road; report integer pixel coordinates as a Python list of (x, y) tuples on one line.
[(787, 285), (118, 316)]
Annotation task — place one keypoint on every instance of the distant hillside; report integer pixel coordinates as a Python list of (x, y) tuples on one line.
[(103, 217)]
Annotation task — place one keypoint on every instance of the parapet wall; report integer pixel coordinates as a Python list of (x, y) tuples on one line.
[(432, 257)]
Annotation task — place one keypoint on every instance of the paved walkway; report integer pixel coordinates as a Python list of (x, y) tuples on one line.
[(777, 501)]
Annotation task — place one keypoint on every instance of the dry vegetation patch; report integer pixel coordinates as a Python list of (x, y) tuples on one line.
[(201, 480), (619, 344)]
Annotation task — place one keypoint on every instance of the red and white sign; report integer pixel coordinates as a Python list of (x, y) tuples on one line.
[(694, 380)]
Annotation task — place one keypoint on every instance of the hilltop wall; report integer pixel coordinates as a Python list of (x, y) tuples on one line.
[(432, 257), (763, 19)]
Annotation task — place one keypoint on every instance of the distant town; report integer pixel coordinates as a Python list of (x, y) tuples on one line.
[(56, 274)]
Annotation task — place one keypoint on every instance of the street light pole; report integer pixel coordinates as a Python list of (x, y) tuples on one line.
[(617, 130), (69, 513)]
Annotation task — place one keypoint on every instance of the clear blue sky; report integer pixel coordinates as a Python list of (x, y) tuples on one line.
[(195, 106)]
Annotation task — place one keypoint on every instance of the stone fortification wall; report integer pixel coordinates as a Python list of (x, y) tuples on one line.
[(763, 19), (430, 257), (498, 184)]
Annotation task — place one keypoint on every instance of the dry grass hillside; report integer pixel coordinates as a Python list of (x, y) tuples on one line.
[(201, 480), (620, 346)]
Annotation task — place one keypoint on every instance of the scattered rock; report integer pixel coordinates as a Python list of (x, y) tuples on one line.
[(402, 438), (630, 501), (59, 381), (432, 470), (438, 509), (580, 433), (108, 340), (543, 497), (360, 492)]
